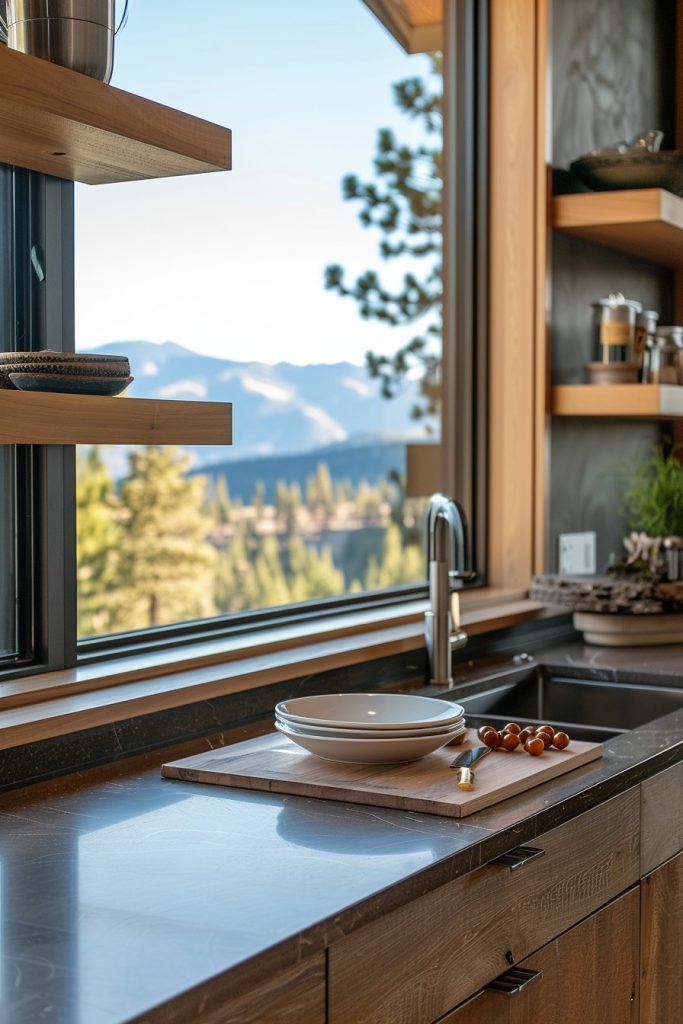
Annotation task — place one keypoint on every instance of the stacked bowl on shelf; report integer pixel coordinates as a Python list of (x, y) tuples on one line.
[(80, 373), (370, 728)]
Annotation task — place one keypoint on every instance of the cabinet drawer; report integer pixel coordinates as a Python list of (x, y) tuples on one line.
[(662, 817), (571, 983), (661, 950), (417, 963)]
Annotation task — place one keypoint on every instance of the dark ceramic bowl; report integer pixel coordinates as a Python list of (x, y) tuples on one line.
[(79, 370), (631, 170), (47, 355), (70, 383)]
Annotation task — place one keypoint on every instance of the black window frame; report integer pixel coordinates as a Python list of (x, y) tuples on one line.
[(46, 226)]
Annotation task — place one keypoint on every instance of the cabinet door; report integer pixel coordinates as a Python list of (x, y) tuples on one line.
[(661, 818), (661, 952), (589, 974), (424, 959)]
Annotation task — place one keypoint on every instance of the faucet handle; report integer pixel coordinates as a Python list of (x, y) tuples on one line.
[(456, 576)]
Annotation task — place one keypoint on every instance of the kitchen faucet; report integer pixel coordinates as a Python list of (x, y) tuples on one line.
[(447, 561)]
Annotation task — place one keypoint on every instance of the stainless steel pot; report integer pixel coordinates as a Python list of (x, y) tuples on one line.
[(78, 34)]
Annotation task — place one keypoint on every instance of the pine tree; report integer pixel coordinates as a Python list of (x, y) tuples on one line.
[(312, 574), (266, 585), (98, 539), (398, 563), (222, 506), (404, 205), (167, 566)]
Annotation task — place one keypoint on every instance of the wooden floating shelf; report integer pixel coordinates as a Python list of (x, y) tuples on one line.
[(47, 418), (63, 123), (646, 222), (647, 401)]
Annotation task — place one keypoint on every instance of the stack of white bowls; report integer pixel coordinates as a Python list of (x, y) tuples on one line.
[(370, 728)]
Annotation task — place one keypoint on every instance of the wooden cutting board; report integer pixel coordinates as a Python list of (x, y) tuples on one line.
[(274, 764)]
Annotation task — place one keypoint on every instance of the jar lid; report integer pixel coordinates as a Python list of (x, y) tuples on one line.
[(617, 299), (671, 335)]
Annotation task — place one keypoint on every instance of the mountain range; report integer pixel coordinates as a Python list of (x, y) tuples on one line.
[(278, 409)]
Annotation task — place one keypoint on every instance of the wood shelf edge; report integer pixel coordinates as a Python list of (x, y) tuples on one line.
[(59, 122), (50, 418), (646, 401), (623, 206)]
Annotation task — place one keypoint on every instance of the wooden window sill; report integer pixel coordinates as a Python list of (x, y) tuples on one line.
[(57, 703)]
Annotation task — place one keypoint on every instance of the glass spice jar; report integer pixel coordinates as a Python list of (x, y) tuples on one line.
[(614, 328), (663, 362), (646, 328)]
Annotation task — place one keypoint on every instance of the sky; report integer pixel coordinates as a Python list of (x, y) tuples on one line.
[(231, 264)]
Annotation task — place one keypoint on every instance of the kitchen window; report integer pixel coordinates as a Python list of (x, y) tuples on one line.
[(167, 265)]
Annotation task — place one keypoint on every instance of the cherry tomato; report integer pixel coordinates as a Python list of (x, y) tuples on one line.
[(560, 740), (492, 739), (546, 728), (510, 741), (545, 738), (526, 734), (513, 727), (534, 746), (483, 730)]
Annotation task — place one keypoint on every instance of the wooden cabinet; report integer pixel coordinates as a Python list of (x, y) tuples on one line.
[(589, 974), (661, 937), (293, 995), (661, 817), (423, 959)]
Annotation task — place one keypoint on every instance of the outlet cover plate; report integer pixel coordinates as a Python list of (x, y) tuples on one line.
[(577, 554)]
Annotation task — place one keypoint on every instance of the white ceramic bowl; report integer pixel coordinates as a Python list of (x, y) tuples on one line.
[(370, 710), (391, 734), (373, 750)]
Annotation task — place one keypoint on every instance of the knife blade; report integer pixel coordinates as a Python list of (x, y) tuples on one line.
[(465, 762)]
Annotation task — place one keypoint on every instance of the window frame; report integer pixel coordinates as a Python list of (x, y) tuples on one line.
[(50, 214)]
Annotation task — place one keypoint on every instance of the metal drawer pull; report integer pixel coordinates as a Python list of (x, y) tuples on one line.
[(513, 981), (518, 857)]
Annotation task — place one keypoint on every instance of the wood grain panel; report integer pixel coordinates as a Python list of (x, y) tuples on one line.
[(275, 764), (662, 817), (45, 418), (415, 24), (661, 954), (60, 122), (577, 983), (542, 292), (648, 401), (484, 1008), (295, 995), (645, 223), (425, 958), (513, 238)]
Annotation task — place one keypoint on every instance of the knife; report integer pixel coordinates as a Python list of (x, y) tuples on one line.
[(466, 762)]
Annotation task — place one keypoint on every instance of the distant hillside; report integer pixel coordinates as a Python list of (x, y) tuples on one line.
[(355, 463), (278, 409)]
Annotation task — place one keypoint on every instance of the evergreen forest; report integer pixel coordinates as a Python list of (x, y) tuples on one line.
[(163, 545)]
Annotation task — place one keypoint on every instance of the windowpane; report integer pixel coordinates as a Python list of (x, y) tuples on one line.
[(9, 541), (304, 286)]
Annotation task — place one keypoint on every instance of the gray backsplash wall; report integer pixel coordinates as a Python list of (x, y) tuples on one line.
[(612, 75)]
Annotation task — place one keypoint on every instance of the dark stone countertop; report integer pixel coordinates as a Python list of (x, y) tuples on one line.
[(119, 891)]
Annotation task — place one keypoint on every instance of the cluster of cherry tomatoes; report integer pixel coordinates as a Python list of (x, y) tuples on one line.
[(534, 739)]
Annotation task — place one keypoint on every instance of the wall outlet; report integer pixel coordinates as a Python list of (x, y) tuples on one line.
[(577, 554)]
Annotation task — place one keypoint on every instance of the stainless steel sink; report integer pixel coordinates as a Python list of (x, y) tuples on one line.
[(590, 709)]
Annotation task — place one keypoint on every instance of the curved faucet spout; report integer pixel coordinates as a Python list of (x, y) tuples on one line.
[(447, 529), (448, 563)]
